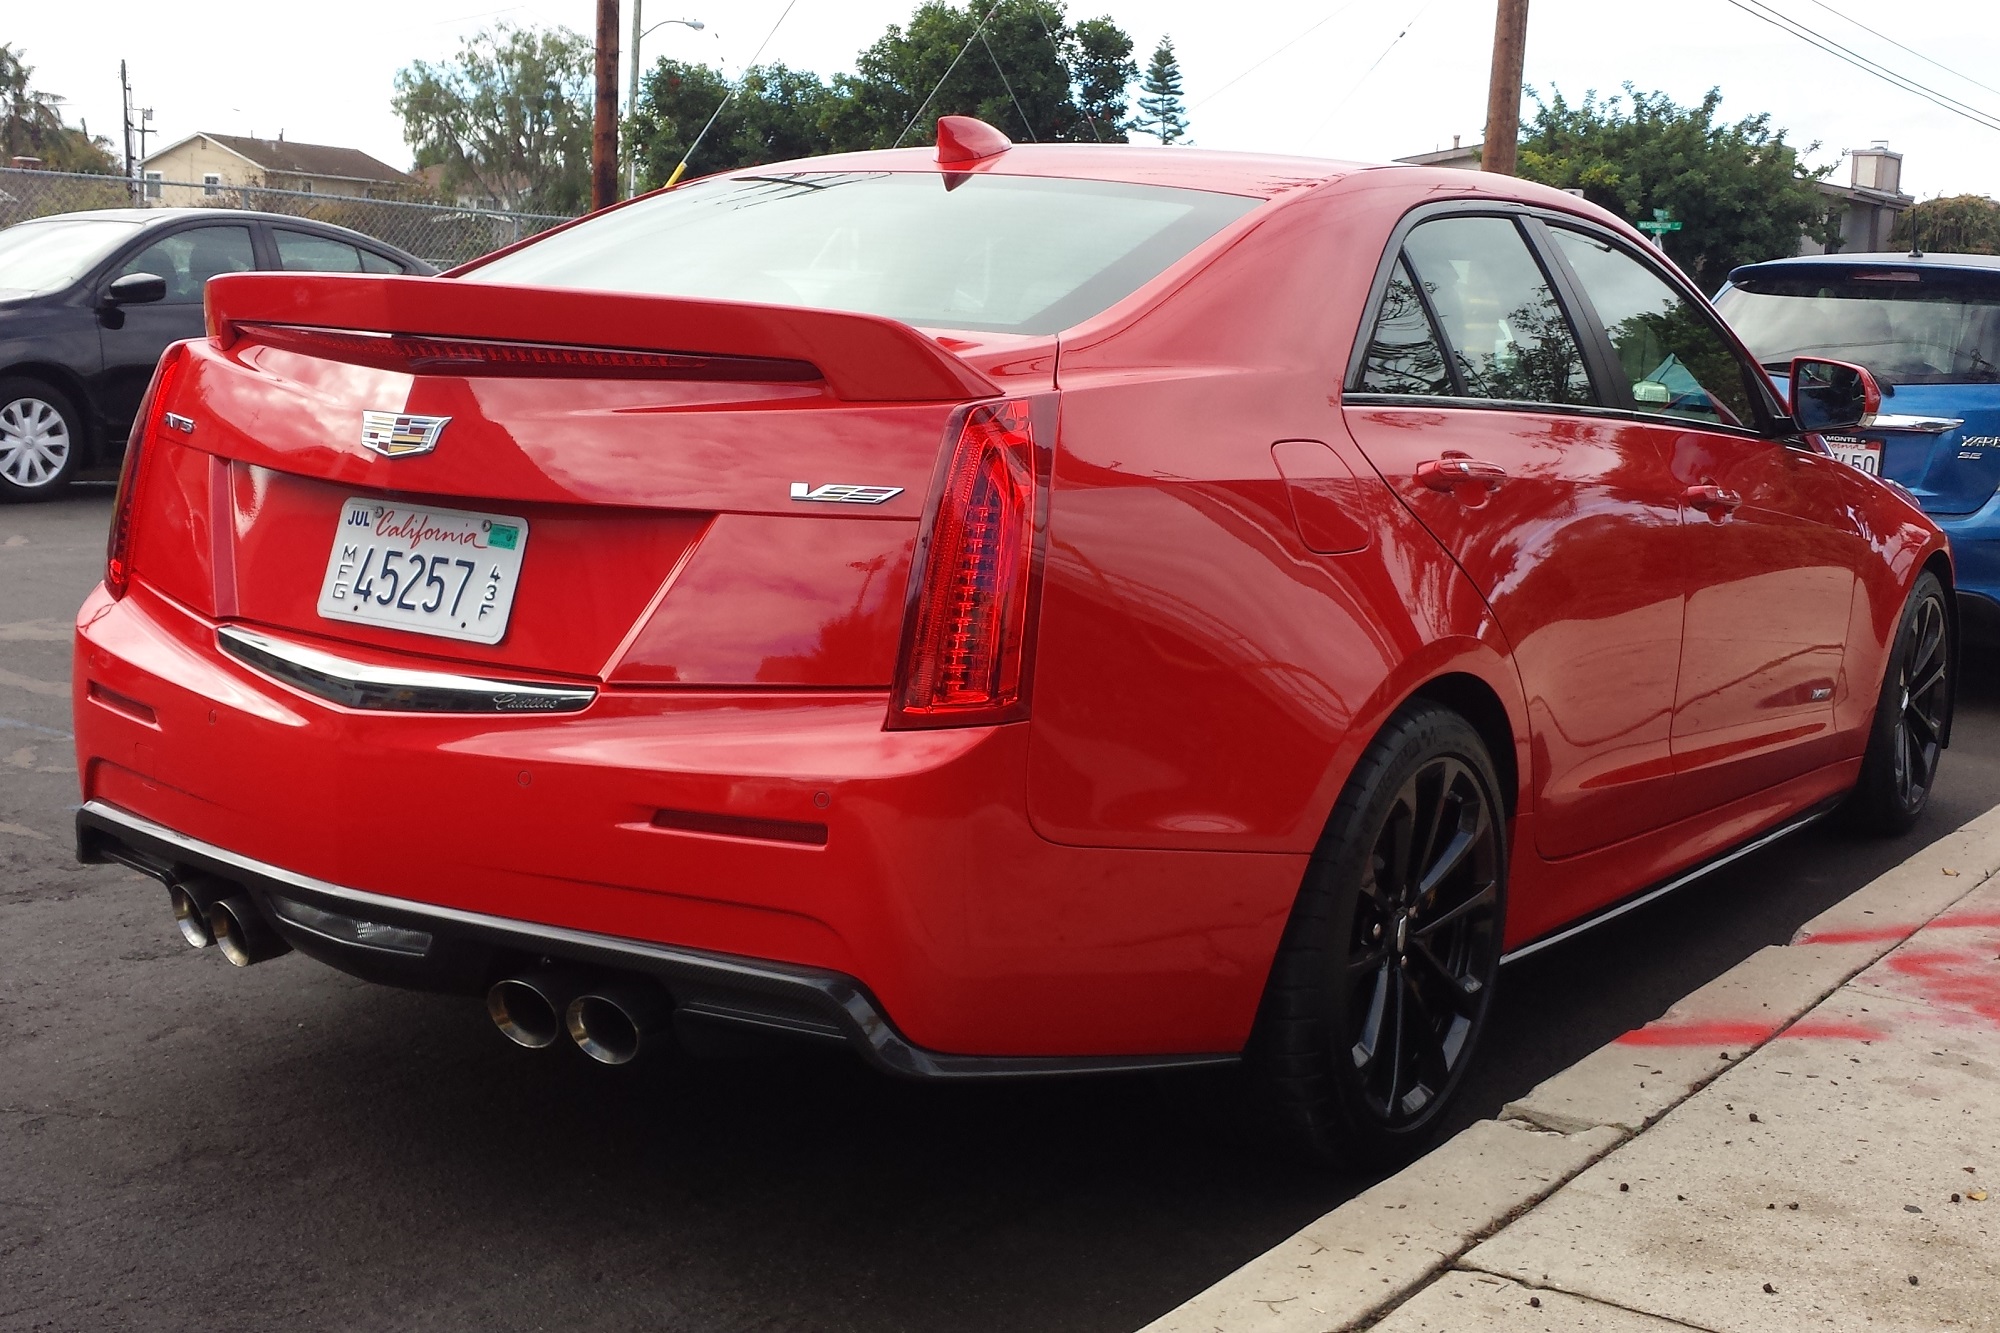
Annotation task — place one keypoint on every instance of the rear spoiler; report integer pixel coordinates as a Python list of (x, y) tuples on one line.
[(862, 358)]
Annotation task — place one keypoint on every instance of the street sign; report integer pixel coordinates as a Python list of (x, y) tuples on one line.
[(1657, 227)]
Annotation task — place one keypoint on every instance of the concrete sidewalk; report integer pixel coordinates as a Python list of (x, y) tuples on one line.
[(1810, 1141)]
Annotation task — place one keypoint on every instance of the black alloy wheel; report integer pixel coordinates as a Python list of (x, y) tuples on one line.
[(1386, 974), (1912, 716), (1424, 929)]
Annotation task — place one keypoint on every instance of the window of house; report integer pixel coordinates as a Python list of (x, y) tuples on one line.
[(1507, 336), (153, 188), (211, 183), (305, 187)]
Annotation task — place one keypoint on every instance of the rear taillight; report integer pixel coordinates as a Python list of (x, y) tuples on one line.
[(146, 428), (968, 638)]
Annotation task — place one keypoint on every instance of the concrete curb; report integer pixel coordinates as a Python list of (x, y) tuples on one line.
[(1384, 1246)]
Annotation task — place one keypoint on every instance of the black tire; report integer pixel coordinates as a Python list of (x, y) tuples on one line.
[(1912, 717), (1365, 1043), (41, 439)]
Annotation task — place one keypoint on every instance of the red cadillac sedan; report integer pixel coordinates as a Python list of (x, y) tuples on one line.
[(1013, 610)]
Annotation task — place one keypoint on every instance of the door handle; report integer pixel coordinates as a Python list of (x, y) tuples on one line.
[(1455, 470), (1715, 501)]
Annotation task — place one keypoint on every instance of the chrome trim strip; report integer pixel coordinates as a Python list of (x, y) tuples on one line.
[(1921, 425), (393, 689), (868, 1029), (1684, 878)]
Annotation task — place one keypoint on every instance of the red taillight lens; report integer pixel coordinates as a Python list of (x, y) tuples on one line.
[(966, 647), (145, 426)]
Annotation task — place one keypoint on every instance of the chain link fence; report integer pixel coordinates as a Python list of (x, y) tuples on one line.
[(440, 234)]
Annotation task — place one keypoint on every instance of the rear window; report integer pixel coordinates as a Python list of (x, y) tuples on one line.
[(1906, 326), (1003, 254)]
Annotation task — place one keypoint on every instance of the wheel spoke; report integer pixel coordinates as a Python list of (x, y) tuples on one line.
[(1370, 1039), (1464, 990), (1454, 853), (1398, 1022), (1484, 899), (1921, 727)]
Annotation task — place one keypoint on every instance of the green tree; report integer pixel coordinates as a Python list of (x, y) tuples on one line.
[(31, 124), (1162, 112), (1962, 224), (1029, 70), (1739, 190), (508, 117), (777, 114)]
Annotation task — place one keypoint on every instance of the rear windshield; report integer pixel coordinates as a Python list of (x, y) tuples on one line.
[(1003, 254), (1906, 327)]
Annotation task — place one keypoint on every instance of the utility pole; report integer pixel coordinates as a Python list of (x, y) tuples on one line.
[(604, 132), (1503, 90), (125, 111)]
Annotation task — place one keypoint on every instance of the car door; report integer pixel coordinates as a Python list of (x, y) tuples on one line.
[(1772, 551), (1474, 398), (134, 336)]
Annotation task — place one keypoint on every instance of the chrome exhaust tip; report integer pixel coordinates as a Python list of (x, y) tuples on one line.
[(242, 934), (611, 1022), (191, 916), (528, 1008)]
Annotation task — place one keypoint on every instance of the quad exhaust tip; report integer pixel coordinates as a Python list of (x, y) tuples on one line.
[(528, 1008), (613, 1021), (610, 1018), (242, 933), (191, 916)]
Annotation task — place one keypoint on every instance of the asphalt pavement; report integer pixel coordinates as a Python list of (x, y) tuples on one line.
[(183, 1144)]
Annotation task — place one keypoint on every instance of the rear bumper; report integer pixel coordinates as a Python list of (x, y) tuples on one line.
[(923, 919), (466, 949)]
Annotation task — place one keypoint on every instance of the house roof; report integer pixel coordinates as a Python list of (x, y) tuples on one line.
[(298, 159)]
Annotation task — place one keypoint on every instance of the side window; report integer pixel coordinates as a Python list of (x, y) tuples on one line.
[(298, 251), (1403, 356), (188, 259), (1507, 336), (1676, 361), (374, 263)]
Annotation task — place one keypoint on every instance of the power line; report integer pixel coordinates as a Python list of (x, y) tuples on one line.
[(1068, 77), (726, 97), (1337, 12), (1356, 85), (1026, 124), (925, 104), (1765, 14), (1900, 47)]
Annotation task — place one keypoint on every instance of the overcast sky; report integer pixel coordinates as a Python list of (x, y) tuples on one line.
[(1350, 87)]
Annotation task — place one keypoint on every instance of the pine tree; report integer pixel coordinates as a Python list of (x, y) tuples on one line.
[(1161, 111)]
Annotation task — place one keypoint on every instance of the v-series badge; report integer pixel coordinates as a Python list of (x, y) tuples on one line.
[(845, 495)]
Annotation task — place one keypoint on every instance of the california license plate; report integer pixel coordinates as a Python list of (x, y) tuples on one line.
[(1857, 453), (431, 571)]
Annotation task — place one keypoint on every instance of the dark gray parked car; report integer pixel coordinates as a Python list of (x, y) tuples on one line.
[(88, 301)]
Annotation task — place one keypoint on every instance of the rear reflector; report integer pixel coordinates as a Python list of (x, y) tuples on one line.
[(742, 826), (420, 355), (146, 428), (965, 657)]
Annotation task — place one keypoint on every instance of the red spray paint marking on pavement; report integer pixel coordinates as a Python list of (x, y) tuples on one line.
[(1954, 978), (1728, 1032), (1873, 934)]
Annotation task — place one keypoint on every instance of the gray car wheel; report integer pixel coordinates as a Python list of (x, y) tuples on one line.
[(41, 440)]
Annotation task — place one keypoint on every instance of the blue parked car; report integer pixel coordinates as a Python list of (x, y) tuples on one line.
[(1928, 327)]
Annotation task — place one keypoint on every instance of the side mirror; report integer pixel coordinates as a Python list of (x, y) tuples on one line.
[(136, 289), (1832, 395)]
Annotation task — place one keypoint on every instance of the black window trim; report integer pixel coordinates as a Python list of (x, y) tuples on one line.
[(1600, 357), (1378, 289), (1775, 423)]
